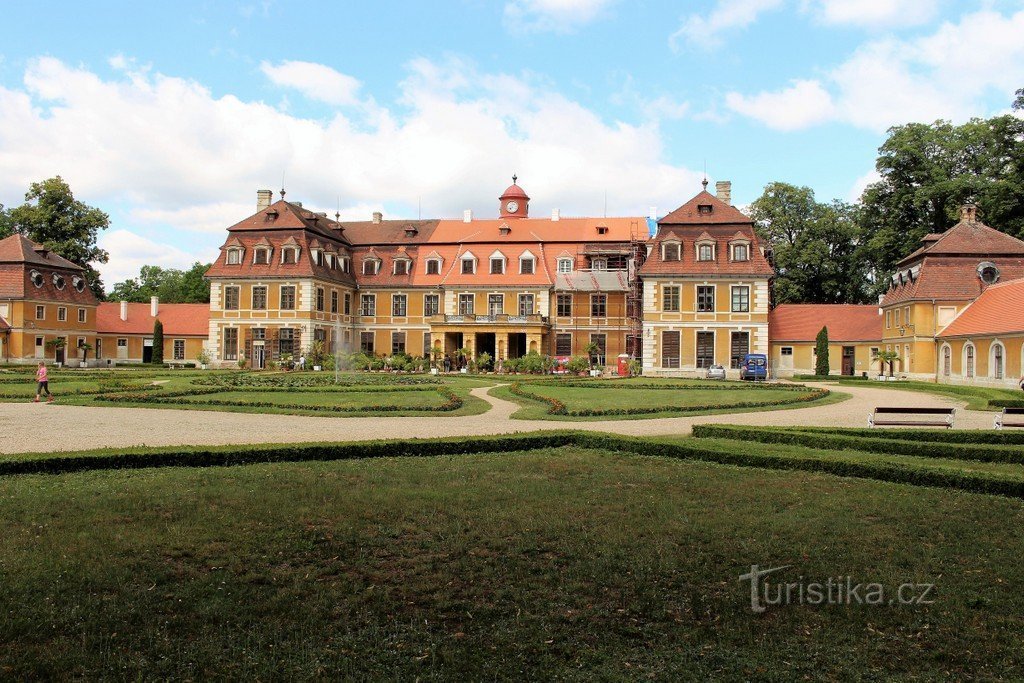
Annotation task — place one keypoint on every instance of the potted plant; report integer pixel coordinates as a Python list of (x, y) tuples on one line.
[(54, 344), (85, 348), (203, 358), (484, 362), (463, 356), (884, 357), (438, 357), (593, 351)]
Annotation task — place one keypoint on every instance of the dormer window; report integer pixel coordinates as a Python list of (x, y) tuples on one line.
[(261, 255), (58, 281), (345, 264), (234, 257), (602, 230), (705, 209), (78, 283), (670, 251), (468, 264), (565, 265), (988, 272), (401, 266), (37, 278), (599, 264), (371, 266), (706, 252), (741, 251), (289, 255), (526, 264), (433, 266), (497, 265), (411, 231)]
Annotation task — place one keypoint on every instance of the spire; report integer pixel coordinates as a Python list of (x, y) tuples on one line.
[(515, 178), (704, 183), (282, 193)]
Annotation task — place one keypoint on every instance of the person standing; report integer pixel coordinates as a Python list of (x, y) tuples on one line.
[(302, 362), (43, 382)]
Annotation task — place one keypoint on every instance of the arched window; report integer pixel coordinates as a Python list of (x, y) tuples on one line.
[(947, 361), (740, 252), (997, 361), (969, 360), (705, 252)]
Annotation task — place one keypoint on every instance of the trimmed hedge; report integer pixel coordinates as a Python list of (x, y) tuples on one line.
[(877, 444), (1006, 403), (557, 407), (960, 436), (260, 381)]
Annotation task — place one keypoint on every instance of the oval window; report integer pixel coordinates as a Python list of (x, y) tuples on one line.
[(36, 277), (58, 281)]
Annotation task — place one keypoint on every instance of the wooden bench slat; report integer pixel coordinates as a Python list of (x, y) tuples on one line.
[(917, 411)]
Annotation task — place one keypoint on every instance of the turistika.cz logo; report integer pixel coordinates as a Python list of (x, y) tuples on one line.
[(839, 590)]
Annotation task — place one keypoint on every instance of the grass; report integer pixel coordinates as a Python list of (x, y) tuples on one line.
[(975, 397), (562, 563)]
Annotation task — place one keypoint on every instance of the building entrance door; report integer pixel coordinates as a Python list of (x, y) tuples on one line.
[(848, 354), (485, 343), (516, 344), (147, 350), (58, 355), (259, 356)]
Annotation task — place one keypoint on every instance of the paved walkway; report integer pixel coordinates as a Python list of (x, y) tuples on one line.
[(38, 427)]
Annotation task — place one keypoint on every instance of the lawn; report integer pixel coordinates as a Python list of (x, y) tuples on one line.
[(555, 563), (640, 398)]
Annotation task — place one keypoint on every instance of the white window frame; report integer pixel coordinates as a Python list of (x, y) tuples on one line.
[(426, 265), (174, 349), (256, 251), (40, 307), (374, 263), (996, 344), (732, 250), (62, 314), (234, 256), (462, 264), (408, 266), (497, 257), (82, 315), (527, 256), (706, 243), (564, 265), (672, 243)]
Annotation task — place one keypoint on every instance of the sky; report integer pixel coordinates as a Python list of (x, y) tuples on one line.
[(169, 116)]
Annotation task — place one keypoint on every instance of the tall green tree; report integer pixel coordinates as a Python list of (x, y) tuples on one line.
[(158, 343), (53, 217), (171, 285), (821, 366), (6, 230), (815, 246), (928, 171)]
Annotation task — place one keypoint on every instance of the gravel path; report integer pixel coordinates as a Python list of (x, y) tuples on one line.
[(38, 427)]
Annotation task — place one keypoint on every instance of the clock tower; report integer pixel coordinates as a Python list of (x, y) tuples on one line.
[(514, 201)]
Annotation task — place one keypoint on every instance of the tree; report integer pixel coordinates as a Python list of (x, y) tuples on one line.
[(927, 172), (172, 286), (53, 217), (158, 343), (886, 357), (821, 353), (1018, 103), (6, 229), (815, 246)]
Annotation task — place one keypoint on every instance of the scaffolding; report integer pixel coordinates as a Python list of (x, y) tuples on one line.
[(635, 292)]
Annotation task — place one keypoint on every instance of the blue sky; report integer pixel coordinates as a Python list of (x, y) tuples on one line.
[(171, 115)]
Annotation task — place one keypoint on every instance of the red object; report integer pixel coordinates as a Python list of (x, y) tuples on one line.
[(623, 365)]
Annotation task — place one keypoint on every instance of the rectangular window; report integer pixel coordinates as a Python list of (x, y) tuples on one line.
[(366, 343), (670, 349), (906, 315), (896, 317), (601, 340), (431, 304), (526, 304), (740, 253), (286, 341), (739, 346), (563, 344), (370, 267), (526, 266), (705, 252), (81, 315), (671, 252), (40, 312), (495, 304), (563, 305), (287, 256), (234, 257), (468, 266), (231, 296), (259, 298), (598, 305), (888, 320), (334, 301), (433, 267), (230, 343), (670, 296), (497, 266), (348, 304), (705, 349), (466, 304), (564, 265), (320, 298), (122, 342), (705, 298), (261, 256), (786, 351), (399, 305), (397, 342), (41, 342), (599, 264), (288, 298), (741, 299), (62, 313), (179, 349), (368, 305), (401, 267)]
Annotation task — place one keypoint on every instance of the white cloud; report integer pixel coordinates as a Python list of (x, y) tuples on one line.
[(861, 184), (315, 81), (705, 30), (873, 13), (946, 74), (129, 252), (174, 157), (559, 16), (802, 104)]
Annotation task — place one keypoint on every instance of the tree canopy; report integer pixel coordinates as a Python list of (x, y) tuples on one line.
[(53, 217), (171, 285)]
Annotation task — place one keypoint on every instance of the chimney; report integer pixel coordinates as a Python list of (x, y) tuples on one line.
[(969, 213), (467, 216), (124, 310), (298, 204), (723, 189), (652, 213), (555, 215), (263, 198), (154, 305), (377, 217)]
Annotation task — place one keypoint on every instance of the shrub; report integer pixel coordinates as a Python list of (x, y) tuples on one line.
[(511, 365), (158, 343), (484, 361), (578, 364), (532, 363), (821, 353)]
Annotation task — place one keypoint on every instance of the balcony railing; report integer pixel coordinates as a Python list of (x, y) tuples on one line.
[(497, 319)]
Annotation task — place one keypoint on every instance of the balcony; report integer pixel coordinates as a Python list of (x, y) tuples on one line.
[(498, 319)]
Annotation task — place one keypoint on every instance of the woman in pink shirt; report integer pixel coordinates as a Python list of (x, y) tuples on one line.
[(43, 383)]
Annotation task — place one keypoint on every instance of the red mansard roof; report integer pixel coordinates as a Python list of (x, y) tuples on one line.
[(845, 322), (721, 213), (282, 215), (999, 310), (188, 320), (19, 256)]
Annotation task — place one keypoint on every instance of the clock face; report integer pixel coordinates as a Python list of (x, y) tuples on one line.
[(512, 206)]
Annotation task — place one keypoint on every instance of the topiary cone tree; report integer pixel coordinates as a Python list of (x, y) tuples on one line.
[(158, 343), (821, 353)]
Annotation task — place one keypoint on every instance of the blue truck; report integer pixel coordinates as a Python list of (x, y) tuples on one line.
[(754, 367)]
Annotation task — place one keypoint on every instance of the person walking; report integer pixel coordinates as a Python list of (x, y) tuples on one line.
[(43, 383)]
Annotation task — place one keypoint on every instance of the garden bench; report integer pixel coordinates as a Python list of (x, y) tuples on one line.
[(1016, 416), (902, 417)]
